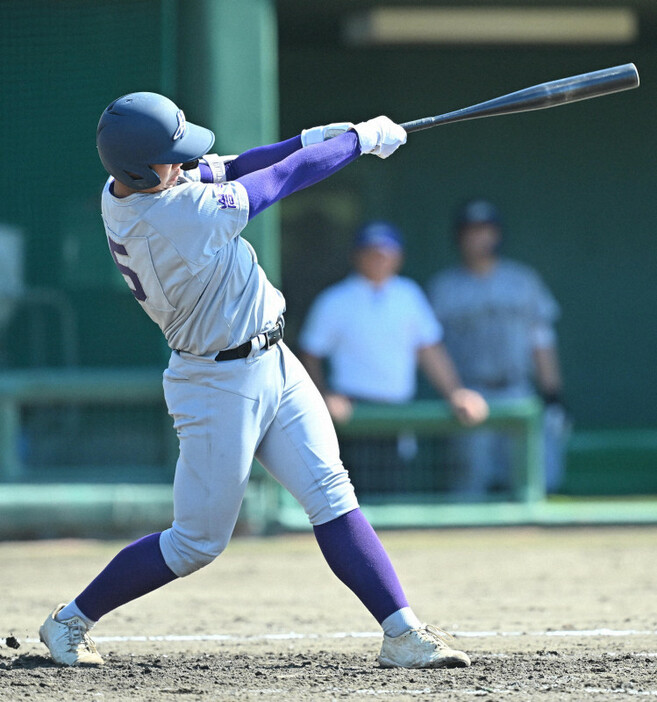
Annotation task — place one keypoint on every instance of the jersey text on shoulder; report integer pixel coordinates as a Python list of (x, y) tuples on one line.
[(225, 200)]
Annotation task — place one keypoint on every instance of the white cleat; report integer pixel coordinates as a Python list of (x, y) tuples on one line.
[(68, 641), (424, 647)]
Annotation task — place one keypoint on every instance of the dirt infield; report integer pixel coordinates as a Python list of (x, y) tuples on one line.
[(545, 615)]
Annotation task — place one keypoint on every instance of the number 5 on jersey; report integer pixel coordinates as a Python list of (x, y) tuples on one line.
[(136, 287)]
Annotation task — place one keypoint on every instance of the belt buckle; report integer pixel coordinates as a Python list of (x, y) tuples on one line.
[(274, 336)]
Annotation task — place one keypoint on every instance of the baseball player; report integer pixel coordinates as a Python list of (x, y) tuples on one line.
[(499, 319), (232, 386)]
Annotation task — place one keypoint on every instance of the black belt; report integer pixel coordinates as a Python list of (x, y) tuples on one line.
[(271, 337)]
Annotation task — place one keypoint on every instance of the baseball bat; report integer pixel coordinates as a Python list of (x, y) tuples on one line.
[(542, 96)]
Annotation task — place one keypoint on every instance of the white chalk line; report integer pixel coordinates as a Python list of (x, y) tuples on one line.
[(478, 692), (290, 636)]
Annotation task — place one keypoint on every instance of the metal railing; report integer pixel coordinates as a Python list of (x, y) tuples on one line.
[(77, 392), (22, 389), (34, 502), (42, 388), (519, 419)]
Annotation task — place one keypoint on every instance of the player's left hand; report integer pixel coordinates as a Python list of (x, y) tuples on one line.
[(380, 136), (469, 406), (316, 135)]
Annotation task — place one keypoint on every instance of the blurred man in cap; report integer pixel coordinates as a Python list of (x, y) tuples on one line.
[(498, 318), (374, 328)]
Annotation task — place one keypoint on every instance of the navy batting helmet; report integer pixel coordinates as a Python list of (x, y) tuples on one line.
[(142, 129)]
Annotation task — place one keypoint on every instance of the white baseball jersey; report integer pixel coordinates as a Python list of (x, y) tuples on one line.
[(200, 283), (371, 335)]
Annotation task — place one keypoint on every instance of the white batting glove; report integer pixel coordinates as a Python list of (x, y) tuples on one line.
[(316, 135), (380, 136)]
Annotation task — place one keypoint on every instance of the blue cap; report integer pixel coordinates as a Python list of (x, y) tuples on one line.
[(477, 212), (380, 235)]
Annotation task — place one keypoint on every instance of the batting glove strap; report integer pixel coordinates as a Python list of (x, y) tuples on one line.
[(380, 136), (317, 135), (217, 166), (207, 169)]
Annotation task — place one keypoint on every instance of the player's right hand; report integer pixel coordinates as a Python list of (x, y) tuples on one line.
[(339, 407), (380, 136)]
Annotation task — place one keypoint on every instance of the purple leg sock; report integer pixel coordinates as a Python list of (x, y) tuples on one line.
[(136, 570), (354, 553)]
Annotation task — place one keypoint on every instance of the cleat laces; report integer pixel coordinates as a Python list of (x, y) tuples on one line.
[(79, 639), (433, 634)]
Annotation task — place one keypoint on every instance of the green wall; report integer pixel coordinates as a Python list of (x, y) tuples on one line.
[(576, 183), (61, 63), (576, 186)]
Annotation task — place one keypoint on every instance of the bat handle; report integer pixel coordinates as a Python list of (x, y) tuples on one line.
[(417, 124)]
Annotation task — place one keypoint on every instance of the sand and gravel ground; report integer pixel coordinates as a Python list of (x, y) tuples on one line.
[(557, 614)]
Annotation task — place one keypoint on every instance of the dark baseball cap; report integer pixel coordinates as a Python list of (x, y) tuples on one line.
[(477, 212), (380, 235)]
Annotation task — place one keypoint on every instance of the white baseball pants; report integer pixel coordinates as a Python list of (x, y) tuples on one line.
[(225, 413)]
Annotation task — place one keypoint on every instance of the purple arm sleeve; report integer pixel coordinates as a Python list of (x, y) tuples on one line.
[(299, 170), (206, 173), (261, 157)]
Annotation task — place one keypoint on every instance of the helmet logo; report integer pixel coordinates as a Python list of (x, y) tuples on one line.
[(182, 126)]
